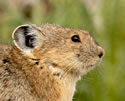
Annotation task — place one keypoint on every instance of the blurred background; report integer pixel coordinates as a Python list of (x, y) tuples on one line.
[(104, 19)]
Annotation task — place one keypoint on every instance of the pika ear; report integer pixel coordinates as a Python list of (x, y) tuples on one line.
[(26, 37)]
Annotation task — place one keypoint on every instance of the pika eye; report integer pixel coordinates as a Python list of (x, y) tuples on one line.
[(75, 38)]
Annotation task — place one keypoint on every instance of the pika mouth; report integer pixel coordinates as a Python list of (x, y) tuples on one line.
[(93, 65)]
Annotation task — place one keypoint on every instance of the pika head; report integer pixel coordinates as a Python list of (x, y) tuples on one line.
[(70, 50)]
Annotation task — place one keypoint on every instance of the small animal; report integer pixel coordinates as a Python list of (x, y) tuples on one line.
[(46, 62)]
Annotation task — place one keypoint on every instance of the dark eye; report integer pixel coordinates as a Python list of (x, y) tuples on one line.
[(75, 38)]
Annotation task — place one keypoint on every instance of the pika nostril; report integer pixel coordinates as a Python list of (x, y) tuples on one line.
[(101, 52)]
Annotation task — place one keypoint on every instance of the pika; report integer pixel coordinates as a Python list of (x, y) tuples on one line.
[(46, 62)]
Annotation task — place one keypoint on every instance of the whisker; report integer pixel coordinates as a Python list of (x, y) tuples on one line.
[(63, 75), (67, 70)]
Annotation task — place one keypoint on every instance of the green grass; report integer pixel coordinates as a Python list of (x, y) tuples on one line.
[(106, 82)]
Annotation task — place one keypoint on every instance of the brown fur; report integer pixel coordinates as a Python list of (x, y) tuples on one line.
[(51, 70)]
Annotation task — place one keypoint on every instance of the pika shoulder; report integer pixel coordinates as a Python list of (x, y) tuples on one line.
[(46, 62)]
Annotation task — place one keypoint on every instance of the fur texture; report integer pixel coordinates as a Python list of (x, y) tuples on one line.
[(46, 69)]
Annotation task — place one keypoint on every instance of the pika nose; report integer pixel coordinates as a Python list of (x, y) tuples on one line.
[(100, 52)]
